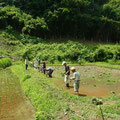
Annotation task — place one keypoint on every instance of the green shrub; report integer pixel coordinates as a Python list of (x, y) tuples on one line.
[(13, 43), (5, 62), (2, 52), (43, 116), (100, 54), (26, 77), (107, 53), (10, 33), (72, 51), (28, 39)]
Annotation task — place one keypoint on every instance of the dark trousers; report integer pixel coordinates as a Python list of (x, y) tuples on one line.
[(44, 70), (26, 66), (50, 73)]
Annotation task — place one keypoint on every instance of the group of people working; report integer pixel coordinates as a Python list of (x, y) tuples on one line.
[(40, 67), (67, 79)]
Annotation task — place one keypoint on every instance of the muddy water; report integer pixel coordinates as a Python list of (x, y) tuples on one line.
[(94, 81)]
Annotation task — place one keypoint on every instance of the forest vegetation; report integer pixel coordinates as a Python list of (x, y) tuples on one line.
[(93, 20)]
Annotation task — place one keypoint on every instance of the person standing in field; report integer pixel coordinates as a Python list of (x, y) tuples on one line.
[(35, 64), (26, 63), (38, 64), (67, 74), (44, 66), (76, 78), (39, 61)]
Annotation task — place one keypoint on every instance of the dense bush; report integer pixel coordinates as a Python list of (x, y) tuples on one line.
[(2, 52), (72, 51), (56, 52), (107, 52), (25, 39), (24, 45), (15, 38), (5, 62)]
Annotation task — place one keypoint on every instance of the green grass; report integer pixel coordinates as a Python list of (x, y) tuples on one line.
[(5, 62)]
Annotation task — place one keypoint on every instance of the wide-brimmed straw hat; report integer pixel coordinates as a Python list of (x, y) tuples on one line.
[(72, 68)]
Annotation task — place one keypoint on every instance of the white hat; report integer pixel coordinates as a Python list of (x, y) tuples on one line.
[(63, 62), (72, 68)]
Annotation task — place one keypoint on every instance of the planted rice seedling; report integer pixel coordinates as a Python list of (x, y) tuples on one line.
[(95, 85)]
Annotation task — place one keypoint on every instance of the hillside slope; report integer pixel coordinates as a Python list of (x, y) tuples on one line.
[(18, 46)]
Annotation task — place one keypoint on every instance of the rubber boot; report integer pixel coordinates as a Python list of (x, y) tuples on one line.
[(67, 85)]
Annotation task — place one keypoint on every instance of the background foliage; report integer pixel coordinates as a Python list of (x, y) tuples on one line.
[(87, 19), (5, 62), (18, 47)]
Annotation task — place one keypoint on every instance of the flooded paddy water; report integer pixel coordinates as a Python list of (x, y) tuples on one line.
[(94, 81)]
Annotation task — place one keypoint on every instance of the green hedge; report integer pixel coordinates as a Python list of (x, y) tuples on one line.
[(72, 52), (5, 62)]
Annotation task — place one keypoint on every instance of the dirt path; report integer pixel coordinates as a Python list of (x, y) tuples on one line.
[(14, 105)]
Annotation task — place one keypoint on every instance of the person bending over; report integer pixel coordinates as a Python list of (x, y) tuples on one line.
[(50, 71)]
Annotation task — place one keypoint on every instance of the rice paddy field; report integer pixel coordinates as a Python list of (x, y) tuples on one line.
[(94, 80), (31, 95)]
